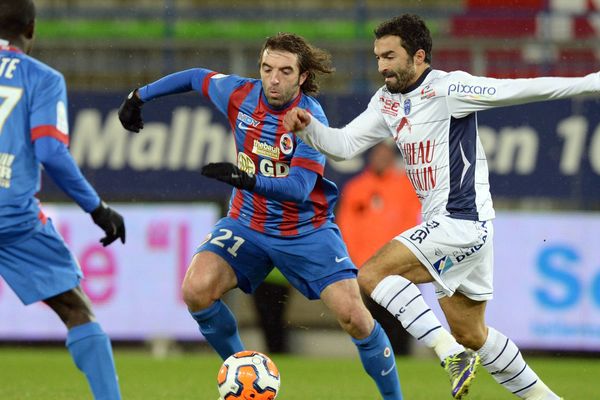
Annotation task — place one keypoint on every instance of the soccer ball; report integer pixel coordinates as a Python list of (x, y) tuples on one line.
[(248, 375)]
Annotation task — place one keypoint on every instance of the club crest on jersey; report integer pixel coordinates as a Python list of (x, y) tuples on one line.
[(443, 265), (245, 163), (286, 144), (407, 106)]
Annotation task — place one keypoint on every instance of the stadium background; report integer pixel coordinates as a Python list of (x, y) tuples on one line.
[(544, 158)]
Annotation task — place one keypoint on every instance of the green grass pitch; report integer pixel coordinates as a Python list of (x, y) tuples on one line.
[(43, 374)]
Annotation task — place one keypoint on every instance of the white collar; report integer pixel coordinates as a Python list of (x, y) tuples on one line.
[(3, 42)]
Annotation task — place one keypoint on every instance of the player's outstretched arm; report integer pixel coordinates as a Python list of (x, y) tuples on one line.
[(362, 132), (60, 165), (295, 187), (230, 174), (468, 93), (130, 112), (111, 222), (296, 120)]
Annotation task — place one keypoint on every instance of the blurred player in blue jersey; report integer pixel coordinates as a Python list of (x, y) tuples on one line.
[(34, 260), (281, 207)]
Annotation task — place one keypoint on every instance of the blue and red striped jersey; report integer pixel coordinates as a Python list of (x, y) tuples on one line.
[(33, 104), (265, 148)]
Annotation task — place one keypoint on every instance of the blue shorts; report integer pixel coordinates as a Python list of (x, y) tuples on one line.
[(310, 262), (40, 266)]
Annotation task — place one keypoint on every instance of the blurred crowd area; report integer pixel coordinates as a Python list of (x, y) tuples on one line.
[(116, 44)]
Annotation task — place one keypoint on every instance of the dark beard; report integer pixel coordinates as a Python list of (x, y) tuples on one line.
[(402, 81)]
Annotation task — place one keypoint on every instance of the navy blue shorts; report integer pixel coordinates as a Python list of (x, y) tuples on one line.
[(40, 266), (310, 262)]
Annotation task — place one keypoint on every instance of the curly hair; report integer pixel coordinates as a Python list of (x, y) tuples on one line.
[(411, 30), (311, 59), (15, 17)]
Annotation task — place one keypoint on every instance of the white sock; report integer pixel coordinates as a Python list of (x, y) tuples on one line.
[(503, 360), (403, 299)]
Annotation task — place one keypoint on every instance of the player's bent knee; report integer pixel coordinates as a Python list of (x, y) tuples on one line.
[(73, 307), (198, 295), (358, 323)]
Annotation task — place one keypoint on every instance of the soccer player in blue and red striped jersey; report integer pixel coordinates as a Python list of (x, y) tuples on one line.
[(34, 259), (281, 207)]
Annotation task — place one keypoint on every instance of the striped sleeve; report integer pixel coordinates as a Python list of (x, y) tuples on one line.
[(218, 88), (305, 156)]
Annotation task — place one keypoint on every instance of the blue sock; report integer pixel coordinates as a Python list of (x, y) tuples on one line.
[(378, 360), (91, 350), (219, 327)]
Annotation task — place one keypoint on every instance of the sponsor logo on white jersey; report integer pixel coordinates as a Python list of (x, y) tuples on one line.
[(464, 90), (427, 92), (420, 170), (389, 106)]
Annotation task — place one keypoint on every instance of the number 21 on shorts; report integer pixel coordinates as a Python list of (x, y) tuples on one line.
[(225, 236)]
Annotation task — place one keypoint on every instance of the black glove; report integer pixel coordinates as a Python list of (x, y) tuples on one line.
[(130, 112), (111, 223), (229, 173)]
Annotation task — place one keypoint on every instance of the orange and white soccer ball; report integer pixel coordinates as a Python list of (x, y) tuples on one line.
[(248, 375)]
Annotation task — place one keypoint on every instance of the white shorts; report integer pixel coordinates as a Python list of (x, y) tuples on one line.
[(457, 253)]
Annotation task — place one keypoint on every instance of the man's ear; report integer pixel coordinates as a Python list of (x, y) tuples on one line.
[(303, 77), (30, 31), (419, 57)]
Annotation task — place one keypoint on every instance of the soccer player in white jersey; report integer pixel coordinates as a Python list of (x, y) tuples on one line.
[(431, 114)]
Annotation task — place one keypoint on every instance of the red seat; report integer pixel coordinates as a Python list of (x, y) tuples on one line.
[(509, 63), (452, 59), (576, 62), (493, 27), (510, 5)]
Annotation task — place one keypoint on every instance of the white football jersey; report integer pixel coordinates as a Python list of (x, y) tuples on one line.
[(434, 124)]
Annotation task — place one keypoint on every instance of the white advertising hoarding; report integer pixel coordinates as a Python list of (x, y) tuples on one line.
[(135, 287), (546, 276), (546, 280)]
